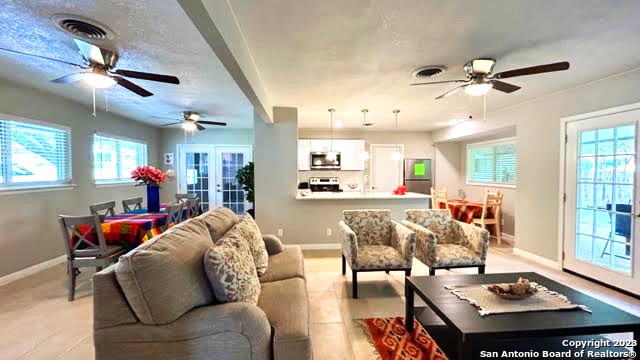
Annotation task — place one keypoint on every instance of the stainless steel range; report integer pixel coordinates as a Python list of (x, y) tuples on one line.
[(327, 184)]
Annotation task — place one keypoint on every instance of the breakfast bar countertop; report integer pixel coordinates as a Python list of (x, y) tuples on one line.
[(357, 195)]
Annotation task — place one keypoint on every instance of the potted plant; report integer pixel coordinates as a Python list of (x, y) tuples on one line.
[(244, 176), (151, 177)]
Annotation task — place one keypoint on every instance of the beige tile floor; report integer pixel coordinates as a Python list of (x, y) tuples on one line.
[(37, 322)]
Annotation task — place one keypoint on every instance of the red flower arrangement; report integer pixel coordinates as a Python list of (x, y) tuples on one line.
[(148, 175)]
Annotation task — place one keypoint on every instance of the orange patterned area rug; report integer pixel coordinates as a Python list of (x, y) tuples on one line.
[(393, 342)]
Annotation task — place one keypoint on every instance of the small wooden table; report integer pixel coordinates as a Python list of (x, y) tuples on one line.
[(544, 329)]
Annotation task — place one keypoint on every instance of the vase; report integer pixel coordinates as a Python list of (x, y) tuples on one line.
[(153, 198)]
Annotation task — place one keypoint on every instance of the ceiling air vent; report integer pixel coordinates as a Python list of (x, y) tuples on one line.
[(429, 71), (83, 28)]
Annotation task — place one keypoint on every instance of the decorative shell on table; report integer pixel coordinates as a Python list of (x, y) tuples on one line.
[(519, 290)]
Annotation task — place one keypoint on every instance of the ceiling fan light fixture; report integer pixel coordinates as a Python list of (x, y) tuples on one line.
[(189, 126), (482, 66), (478, 89), (98, 80)]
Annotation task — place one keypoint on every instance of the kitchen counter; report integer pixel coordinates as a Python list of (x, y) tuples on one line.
[(357, 195)]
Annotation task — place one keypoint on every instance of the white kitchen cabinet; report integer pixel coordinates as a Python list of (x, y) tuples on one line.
[(350, 151), (320, 145), (304, 149)]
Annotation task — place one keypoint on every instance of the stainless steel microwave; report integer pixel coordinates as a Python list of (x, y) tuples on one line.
[(323, 161)]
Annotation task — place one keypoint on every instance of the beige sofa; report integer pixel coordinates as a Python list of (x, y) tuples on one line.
[(155, 303)]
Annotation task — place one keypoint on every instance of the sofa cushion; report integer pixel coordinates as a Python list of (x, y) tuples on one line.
[(231, 271), (285, 265), (273, 244), (249, 231), (164, 278), (219, 221), (286, 304)]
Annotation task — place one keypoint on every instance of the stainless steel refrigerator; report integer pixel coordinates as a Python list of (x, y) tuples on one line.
[(418, 176)]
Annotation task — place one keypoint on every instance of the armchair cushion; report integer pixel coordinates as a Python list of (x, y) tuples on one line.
[(371, 227), (379, 257), (349, 243), (455, 255)]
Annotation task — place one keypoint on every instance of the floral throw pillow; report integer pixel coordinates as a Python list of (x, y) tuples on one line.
[(248, 230), (232, 273)]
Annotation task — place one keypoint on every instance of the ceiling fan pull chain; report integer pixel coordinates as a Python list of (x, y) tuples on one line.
[(93, 92), (484, 108)]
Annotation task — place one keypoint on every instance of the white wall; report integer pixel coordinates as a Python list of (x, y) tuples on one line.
[(538, 142), (29, 232)]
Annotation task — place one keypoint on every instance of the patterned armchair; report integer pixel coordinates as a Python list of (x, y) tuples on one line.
[(444, 243), (371, 241)]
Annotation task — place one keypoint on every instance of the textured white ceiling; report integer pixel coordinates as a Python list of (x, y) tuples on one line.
[(152, 36), (360, 53)]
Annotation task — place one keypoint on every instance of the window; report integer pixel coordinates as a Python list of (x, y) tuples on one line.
[(115, 158), (492, 163), (32, 155)]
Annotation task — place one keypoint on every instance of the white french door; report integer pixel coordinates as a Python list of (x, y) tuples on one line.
[(229, 192), (601, 208), (209, 171)]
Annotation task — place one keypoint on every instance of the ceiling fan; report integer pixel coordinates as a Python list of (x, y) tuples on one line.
[(98, 69), (480, 79), (191, 121)]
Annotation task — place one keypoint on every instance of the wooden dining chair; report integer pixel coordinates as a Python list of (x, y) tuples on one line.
[(193, 207), (491, 212), (182, 198), (174, 215), (85, 246), (132, 204), (439, 196), (103, 209)]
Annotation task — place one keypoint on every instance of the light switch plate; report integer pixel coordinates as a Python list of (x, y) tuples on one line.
[(329, 232), (280, 232)]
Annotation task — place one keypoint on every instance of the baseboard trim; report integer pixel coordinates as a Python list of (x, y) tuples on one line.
[(320, 246), (537, 258), (20, 274), (508, 238)]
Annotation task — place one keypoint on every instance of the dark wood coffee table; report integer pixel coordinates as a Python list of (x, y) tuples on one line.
[(472, 331)]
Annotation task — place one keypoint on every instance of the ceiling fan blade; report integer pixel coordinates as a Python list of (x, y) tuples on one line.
[(131, 86), (539, 69), (217, 123), (440, 82), (148, 76), (451, 92), (42, 57), (171, 124), (90, 52), (69, 79), (504, 87), (200, 127)]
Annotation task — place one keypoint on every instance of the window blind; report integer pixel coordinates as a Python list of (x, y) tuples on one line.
[(114, 158), (492, 163), (33, 154)]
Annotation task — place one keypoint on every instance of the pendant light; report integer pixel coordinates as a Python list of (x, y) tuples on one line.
[(331, 155), (364, 155), (397, 155)]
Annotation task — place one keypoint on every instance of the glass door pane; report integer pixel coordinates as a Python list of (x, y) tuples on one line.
[(605, 196), (229, 193), (196, 176)]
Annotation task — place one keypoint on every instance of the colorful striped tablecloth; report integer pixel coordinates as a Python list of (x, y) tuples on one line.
[(464, 210), (132, 228)]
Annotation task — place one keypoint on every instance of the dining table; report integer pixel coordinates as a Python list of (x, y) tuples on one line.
[(133, 228), (464, 210)]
